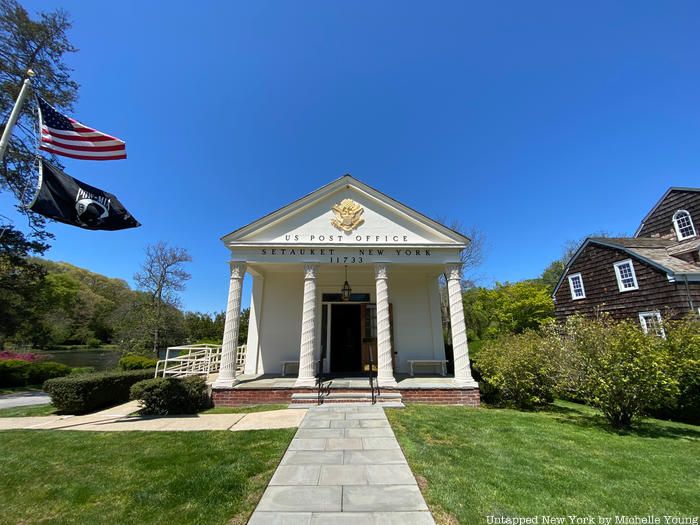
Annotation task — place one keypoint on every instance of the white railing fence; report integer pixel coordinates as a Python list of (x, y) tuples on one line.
[(190, 360)]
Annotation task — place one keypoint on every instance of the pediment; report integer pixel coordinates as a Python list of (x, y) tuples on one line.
[(368, 218)]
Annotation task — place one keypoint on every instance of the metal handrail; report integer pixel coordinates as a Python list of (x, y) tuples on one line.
[(319, 398), (200, 359), (371, 378)]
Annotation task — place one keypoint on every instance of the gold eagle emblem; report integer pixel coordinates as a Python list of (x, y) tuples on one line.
[(348, 215)]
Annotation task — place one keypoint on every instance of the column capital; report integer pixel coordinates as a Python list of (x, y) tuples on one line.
[(381, 271), (237, 269), (453, 271), (310, 270)]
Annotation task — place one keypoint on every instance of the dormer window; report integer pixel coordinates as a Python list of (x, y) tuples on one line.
[(683, 224), (576, 286), (626, 278)]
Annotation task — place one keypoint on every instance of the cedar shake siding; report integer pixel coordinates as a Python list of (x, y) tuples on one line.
[(655, 292), (659, 222)]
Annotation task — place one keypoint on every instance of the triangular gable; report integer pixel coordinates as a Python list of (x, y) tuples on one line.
[(308, 221), (660, 202)]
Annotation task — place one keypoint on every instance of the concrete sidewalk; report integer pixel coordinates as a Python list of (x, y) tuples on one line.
[(344, 466), (117, 419)]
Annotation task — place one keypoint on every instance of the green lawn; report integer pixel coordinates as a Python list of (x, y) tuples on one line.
[(32, 410), (564, 461), (135, 477)]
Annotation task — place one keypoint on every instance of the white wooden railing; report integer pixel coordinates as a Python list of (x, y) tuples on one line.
[(190, 360)]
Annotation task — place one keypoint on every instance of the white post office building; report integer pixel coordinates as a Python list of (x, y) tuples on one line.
[(345, 296)]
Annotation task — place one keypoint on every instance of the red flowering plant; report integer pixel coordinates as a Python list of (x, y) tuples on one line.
[(6, 355)]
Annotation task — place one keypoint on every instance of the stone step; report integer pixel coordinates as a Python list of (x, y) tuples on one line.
[(383, 404), (307, 400), (346, 395)]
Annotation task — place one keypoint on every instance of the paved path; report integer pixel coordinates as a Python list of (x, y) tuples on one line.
[(344, 466), (23, 399), (116, 419)]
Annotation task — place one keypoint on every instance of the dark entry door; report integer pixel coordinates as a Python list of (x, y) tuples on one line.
[(346, 338)]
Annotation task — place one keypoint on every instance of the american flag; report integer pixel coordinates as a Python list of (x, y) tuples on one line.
[(64, 136)]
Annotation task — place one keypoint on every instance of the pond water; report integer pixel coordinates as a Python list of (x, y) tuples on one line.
[(98, 358)]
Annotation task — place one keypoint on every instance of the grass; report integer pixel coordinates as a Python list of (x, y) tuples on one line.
[(70, 477), (26, 411), (563, 461), (244, 410)]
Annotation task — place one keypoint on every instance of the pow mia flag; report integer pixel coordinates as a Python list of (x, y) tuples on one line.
[(68, 200)]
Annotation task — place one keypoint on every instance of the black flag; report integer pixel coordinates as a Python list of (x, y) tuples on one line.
[(68, 200)]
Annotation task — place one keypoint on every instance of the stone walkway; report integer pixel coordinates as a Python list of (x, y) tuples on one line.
[(117, 419), (344, 466)]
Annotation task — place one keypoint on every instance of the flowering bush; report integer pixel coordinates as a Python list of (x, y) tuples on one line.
[(683, 343), (518, 369), (616, 367), (6, 355)]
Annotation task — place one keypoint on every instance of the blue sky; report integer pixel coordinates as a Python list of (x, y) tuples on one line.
[(539, 122)]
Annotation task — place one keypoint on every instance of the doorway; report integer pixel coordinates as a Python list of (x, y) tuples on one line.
[(346, 338)]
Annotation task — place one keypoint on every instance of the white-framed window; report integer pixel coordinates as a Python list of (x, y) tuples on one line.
[(576, 286), (683, 223), (651, 323), (626, 278)]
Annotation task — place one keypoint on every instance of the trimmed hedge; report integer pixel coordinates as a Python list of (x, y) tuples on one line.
[(18, 372), (163, 396), (136, 362), (81, 393)]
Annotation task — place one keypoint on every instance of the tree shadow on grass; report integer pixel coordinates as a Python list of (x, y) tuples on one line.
[(647, 428)]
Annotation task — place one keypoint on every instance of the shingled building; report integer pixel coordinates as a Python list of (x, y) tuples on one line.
[(652, 275)]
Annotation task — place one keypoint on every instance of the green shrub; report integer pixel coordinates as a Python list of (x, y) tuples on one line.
[(517, 370), (136, 362), (163, 396), (93, 342), (616, 367), (81, 393), (16, 372), (683, 343), (82, 370)]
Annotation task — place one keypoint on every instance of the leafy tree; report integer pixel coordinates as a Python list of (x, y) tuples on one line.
[(162, 276), (205, 327), (243, 327), (508, 308), (39, 44)]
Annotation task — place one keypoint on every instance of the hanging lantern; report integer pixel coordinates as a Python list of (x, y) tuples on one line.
[(346, 291)]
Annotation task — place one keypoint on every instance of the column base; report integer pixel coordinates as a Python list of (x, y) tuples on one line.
[(302, 382), (387, 381), (466, 383), (225, 383)]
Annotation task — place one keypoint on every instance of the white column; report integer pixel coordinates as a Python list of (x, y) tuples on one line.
[(385, 372), (307, 364), (460, 350), (227, 370)]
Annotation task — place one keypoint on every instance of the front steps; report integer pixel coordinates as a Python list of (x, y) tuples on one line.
[(384, 399)]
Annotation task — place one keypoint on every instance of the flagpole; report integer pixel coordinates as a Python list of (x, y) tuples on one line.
[(5, 140)]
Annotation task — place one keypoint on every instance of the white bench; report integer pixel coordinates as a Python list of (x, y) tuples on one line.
[(441, 362), (285, 364)]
